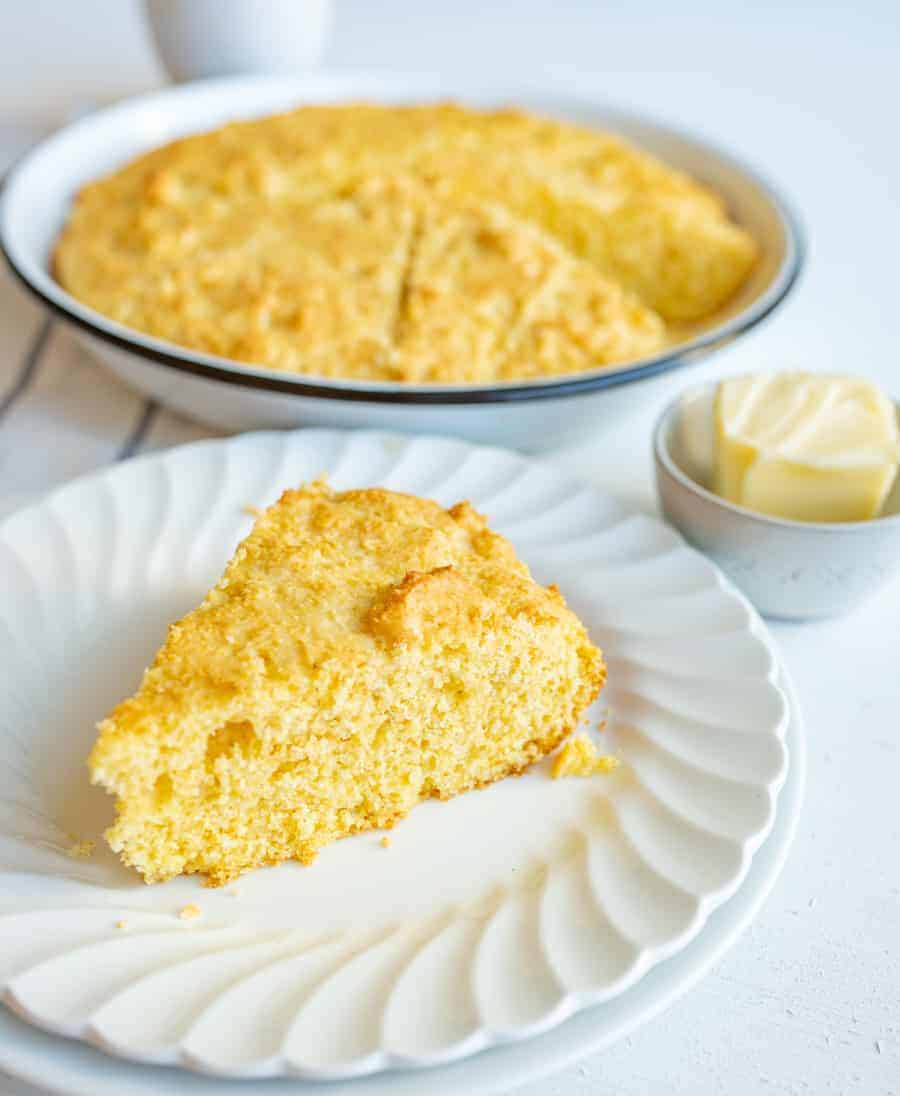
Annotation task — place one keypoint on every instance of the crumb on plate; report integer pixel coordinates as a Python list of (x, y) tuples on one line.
[(579, 757), (122, 924), (385, 842), (81, 850), (189, 912)]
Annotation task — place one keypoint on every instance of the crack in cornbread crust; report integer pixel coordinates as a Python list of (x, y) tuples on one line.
[(277, 242), (363, 651)]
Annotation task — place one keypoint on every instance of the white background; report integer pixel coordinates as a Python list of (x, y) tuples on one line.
[(809, 1001)]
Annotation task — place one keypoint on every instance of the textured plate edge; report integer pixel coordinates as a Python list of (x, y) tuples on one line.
[(36, 1064)]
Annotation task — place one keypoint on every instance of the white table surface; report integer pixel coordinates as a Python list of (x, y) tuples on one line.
[(808, 1003)]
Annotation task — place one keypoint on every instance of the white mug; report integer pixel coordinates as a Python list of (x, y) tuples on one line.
[(197, 38)]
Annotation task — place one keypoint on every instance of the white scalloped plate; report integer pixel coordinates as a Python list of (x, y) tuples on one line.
[(490, 918)]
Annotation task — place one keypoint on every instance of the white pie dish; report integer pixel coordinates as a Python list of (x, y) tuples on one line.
[(795, 570), (38, 191), (578, 888)]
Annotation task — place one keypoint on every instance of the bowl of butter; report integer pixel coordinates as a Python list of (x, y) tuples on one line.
[(789, 482)]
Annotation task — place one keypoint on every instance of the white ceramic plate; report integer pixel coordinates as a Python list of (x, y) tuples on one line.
[(35, 201), (491, 918), (80, 1070)]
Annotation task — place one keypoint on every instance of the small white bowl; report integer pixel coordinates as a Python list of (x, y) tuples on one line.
[(196, 39), (795, 570)]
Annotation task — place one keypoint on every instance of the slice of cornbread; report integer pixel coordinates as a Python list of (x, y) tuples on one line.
[(640, 223), (489, 296), (577, 320), (309, 287), (362, 651)]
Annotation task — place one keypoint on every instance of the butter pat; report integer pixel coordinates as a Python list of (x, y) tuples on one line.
[(804, 446)]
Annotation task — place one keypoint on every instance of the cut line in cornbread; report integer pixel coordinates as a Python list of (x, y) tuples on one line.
[(363, 651)]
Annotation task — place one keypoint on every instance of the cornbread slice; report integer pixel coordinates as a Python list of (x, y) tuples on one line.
[(577, 320), (668, 250), (640, 223), (362, 651), (488, 296), (314, 287), (274, 241)]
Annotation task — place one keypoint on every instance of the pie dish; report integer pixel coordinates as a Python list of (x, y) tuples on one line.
[(38, 194), (428, 243)]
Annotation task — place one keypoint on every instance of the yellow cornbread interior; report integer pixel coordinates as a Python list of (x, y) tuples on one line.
[(803, 446), (419, 244), (362, 651)]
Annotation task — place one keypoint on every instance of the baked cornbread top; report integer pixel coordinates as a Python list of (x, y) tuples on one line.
[(420, 244), (363, 651), (326, 584)]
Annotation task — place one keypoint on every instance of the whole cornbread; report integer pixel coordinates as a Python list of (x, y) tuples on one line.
[(362, 651), (420, 244)]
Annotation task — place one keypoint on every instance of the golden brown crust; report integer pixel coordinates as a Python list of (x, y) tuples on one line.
[(429, 243), (403, 612)]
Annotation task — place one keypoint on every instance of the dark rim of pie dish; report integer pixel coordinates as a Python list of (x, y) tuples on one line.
[(238, 373)]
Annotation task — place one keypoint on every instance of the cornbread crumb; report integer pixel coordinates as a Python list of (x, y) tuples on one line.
[(234, 892), (189, 912), (579, 758), (81, 850), (385, 842), (253, 511), (364, 651), (122, 924)]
